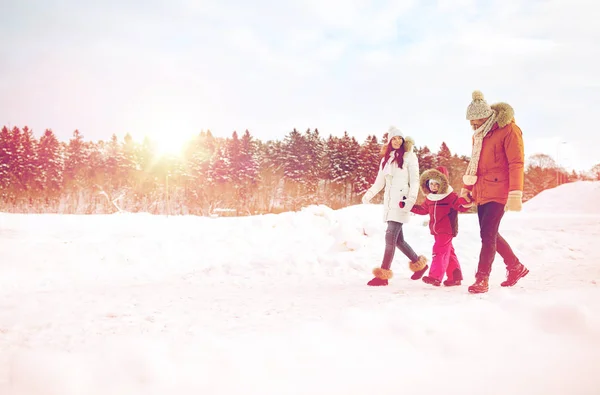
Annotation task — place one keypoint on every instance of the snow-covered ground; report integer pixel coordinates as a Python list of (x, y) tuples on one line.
[(278, 304)]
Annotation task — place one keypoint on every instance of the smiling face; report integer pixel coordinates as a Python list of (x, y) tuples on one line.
[(396, 142), (434, 186)]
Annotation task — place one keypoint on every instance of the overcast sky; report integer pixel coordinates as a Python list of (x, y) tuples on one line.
[(176, 67)]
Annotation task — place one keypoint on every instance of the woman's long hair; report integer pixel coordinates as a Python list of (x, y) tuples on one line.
[(386, 152)]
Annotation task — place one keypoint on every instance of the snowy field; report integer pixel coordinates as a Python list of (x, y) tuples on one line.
[(278, 304)]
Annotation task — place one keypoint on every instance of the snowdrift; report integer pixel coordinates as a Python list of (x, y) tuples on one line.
[(277, 304)]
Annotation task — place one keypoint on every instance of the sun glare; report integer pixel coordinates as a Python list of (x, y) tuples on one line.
[(169, 124), (171, 140), (169, 144)]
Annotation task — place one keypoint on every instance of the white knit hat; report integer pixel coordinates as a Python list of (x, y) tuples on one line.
[(478, 109), (393, 132)]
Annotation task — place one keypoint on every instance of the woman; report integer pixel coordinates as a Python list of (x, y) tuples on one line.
[(399, 174)]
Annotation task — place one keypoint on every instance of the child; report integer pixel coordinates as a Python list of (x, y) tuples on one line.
[(442, 205)]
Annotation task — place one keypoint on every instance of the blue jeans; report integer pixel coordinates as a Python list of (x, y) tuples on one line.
[(395, 238)]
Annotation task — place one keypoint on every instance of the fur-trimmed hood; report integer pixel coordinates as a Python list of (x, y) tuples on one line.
[(505, 114), (401, 184), (436, 175), (409, 144)]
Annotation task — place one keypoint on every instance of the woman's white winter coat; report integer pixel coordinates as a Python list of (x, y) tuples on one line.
[(400, 184)]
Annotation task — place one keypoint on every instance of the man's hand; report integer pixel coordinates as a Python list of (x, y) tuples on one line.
[(515, 201), (466, 194)]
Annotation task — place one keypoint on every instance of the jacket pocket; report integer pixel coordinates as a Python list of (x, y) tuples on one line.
[(495, 186)]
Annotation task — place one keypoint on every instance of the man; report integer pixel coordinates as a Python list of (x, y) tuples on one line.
[(494, 182)]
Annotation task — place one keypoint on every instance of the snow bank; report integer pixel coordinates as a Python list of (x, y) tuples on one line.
[(492, 345), (581, 197), (277, 304)]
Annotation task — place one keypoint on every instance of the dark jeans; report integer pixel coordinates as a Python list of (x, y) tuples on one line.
[(395, 238), (490, 215)]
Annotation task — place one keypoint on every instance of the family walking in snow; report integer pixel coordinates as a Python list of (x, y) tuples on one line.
[(493, 182)]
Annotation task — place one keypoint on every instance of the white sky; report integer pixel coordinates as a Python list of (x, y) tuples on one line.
[(172, 70)]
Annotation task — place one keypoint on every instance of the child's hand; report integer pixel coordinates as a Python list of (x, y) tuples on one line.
[(467, 206), (461, 204)]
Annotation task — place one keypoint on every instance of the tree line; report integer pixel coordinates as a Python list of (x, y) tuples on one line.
[(212, 176)]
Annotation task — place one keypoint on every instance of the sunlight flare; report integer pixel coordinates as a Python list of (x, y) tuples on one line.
[(169, 137)]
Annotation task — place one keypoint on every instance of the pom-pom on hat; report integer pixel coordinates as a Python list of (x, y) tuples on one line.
[(479, 108)]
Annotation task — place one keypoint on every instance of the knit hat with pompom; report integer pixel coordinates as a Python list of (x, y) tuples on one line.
[(478, 109)]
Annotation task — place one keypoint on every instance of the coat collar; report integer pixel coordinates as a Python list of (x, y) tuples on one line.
[(436, 197)]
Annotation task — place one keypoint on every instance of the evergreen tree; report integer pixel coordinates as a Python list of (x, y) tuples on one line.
[(426, 158), (95, 164), (248, 171), (294, 166), (343, 158), (199, 190), (76, 155), (443, 156), (115, 163), (30, 177), (6, 158), (313, 159), (272, 160), (219, 170), (131, 166), (16, 169), (368, 165), (50, 163), (249, 174), (233, 153)]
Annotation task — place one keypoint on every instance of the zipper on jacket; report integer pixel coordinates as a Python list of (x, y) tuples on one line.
[(434, 216)]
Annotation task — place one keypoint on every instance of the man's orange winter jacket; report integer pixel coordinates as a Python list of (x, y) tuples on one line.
[(501, 163)]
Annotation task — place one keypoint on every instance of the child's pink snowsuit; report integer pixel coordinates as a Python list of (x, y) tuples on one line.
[(442, 208)]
